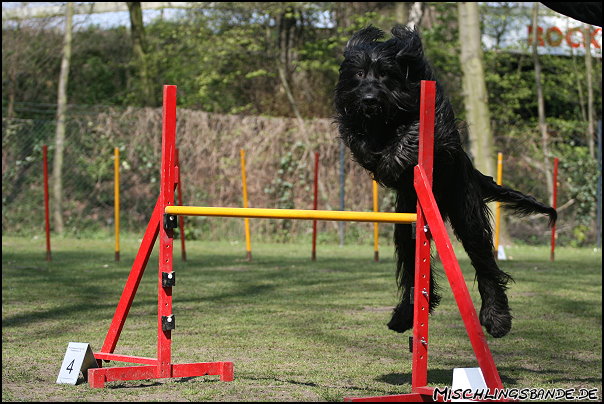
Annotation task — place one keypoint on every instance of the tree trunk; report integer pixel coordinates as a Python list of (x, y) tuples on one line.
[(474, 86), (541, 107), (579, 86), (476, 98), (137, 31), (286, 24), (60, 131), (591, 126), (591, 130), (12, 84), (401, 12), (12, 67), (416, 12)]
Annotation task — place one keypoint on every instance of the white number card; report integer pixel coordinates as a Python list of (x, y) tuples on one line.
[(78, 358)]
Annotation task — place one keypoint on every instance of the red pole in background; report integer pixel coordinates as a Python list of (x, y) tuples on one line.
[(554, 205), (181, 218), (315, 204), (376, 233), (46, 209)]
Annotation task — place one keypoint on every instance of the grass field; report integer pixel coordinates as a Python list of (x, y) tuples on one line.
[(296, 330)]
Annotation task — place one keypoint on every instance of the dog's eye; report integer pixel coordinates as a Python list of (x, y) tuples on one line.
[(360, 73)]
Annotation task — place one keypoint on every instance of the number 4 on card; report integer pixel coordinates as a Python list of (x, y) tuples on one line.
[(78, 358)]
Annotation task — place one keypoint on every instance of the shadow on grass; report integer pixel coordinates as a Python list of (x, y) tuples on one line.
[(441, 377), (307, 384), (435, 376), (84, 284), (68, 311), (508, 381), (140, 385), (549, 375)]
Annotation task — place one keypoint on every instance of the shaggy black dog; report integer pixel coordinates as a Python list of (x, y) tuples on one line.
[(377, 112)]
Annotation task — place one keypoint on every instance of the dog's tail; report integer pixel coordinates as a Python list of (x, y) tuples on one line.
[(520, 203)]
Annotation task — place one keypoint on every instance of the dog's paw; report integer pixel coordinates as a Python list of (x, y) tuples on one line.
[(498, 323), (402, 318)]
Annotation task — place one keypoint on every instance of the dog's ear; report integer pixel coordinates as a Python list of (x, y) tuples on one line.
[(368, 34), (409, 43)]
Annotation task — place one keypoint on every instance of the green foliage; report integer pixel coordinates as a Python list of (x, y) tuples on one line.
[(100, 67), (292, 168), (440, 43), (511, 84), (579, 173), (224, 59), (22, 183)]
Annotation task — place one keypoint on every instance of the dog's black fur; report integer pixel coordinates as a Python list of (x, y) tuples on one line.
[(377, 112)]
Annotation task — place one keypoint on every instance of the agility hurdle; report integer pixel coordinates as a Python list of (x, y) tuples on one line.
[(429, 225)]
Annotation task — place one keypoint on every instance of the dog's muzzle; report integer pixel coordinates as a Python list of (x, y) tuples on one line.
[(370, 104)]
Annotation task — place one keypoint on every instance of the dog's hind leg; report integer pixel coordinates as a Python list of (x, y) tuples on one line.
[(404, 240), (470, 220)]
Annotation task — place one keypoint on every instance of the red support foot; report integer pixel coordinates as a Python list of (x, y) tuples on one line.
[(99, 376), (96, 379)]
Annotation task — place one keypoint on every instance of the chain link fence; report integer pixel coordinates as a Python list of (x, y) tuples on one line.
[(279, 159)]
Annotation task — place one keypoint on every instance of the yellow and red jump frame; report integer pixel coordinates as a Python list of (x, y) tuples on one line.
[(163, 220)]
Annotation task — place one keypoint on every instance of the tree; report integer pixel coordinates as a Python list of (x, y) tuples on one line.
[(12, 58), (591, 127), (474, 87), (541, 106), (31, 54), (286, 25), (416, 12), (60, 131), (137, 31)]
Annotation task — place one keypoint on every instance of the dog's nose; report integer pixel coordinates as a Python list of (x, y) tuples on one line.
[(369, 99)]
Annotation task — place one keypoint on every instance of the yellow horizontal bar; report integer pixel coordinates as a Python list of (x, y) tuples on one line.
[(346, 216)]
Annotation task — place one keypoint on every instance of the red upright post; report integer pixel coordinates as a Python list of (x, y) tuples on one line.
[(166, 234), (554, 205), (421, 297), (162, 225), (430, 225), (315, 205), (181, 218), (46, 200)]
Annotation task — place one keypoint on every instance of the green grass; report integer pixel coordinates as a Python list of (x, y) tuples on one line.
[(296, 330)]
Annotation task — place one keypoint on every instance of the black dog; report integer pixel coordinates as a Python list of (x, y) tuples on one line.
[(377, 112)]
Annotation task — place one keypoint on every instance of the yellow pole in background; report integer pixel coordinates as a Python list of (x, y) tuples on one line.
[(376, 253), (116, 199), (248, 243), (498, 204)]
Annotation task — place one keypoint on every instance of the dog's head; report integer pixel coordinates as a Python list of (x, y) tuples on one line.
[(380, 79)]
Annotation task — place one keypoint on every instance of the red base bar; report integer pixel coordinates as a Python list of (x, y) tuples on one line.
[(99, 376)]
